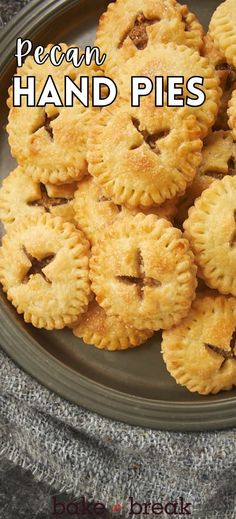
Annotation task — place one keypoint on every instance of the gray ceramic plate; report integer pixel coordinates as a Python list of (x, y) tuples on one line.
[(131, 386)]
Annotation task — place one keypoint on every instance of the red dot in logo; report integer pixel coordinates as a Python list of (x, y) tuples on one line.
[(116, 507)]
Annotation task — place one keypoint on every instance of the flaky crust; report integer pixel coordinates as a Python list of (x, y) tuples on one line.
[(156, 153), (218, 156), (211, 231), (232, 114), (50, 142), (227, 77), (21, 196), (93, 210), (108, 332), (222, 29), (44, 271), (126, 28), (218, 160), (174, 60), (138, 266), (200, 353)]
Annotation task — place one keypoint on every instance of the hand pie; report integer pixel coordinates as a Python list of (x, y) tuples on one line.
[(223, 29), (44, 271), (21, 196), (130, 26), (108, 332), (143, 272), (50, 142), (150, 157), (200, 353), (211, 231), (227, 76), (218, 160)]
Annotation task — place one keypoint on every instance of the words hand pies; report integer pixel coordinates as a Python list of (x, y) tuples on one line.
[(108, 332), (156, 150), (138, 266), (200, 353), (44, 271)]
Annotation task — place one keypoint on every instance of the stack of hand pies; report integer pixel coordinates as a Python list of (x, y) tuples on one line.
[(121, 222)]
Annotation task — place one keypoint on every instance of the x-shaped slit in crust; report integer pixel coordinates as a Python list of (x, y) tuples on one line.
[(141, 281), (46, 201), (138, 34), (37, 266), (150, 138), (46, 124), (225, 354), (232, 241)]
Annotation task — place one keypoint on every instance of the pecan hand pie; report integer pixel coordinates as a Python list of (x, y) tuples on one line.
[(175, 60), (138, 267), (151, 156), (20, 196), (105, 332), (227, 76), (200, 353), (44, 271), (128, 27), (218, 160), (50, 142), (211, 231), (223, 29)]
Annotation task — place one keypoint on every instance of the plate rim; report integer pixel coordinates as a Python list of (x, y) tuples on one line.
[(50, 371)]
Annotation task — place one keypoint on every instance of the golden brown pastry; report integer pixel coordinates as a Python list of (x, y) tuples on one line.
[(151, 156), (105, 332), (143, 272), (21, 196), (130, 26), (211, 231), (50, 142), (200, 353), (223, 31), (44, 271)]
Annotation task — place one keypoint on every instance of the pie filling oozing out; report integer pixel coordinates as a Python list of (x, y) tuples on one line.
[(150, 139), (37, 266), (142, 280), (225, 354), (138, 34), (47, 202)]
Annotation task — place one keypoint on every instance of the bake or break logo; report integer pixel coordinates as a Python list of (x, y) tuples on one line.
[(87, 93)]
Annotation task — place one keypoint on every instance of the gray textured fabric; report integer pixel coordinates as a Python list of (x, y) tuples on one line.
[(82, 453)]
